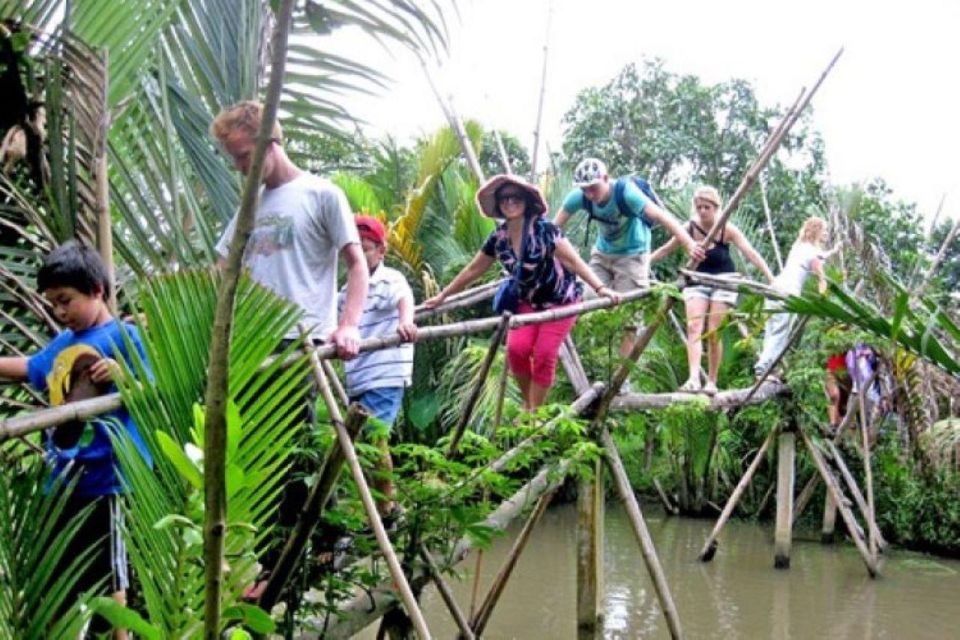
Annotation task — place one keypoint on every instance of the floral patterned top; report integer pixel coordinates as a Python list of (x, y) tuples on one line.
[(544, 281)]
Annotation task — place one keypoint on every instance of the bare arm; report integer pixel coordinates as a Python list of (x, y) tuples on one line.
[(476, 268), (656, 214), (571, 260), (346, 337), (741, 242), (816, 265), (665, 249), (562, 216), (13, 368), (406, 326)]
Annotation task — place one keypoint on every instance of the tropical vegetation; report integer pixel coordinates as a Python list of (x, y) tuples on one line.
[(114, 108)]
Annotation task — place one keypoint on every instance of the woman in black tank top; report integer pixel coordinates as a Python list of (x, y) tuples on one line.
[(705, 302)]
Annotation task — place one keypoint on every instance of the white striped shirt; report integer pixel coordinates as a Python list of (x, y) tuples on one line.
[(381, 316)]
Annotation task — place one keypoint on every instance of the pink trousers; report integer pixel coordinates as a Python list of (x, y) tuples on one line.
[(533, 350)]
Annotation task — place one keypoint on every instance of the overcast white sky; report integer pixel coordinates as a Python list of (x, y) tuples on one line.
[(889, 109)]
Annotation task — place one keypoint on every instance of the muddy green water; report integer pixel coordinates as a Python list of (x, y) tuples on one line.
[(826, 593)]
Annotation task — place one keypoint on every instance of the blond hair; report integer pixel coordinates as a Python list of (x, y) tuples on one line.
[(708, 193), (244, 116), (812, 230)]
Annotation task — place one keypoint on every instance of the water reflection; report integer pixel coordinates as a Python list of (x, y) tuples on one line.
[(825, 594)]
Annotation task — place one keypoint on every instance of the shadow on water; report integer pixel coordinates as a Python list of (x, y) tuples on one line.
[(739, 595)]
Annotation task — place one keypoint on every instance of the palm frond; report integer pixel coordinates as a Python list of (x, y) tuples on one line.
[(165, 508)]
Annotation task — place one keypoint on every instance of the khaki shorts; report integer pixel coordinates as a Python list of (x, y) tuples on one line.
[(621, 273), (710, 293)]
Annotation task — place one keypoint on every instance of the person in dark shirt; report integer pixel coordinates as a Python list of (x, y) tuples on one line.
[(547, 278)]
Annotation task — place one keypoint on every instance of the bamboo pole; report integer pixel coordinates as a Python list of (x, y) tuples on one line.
[(828, 525), (786, 452), (481, 325), (868, 473), (667, 505), (462, 623), (320, 493), (710, 545), (590, 508), (766, 212), (941, 253), (339, 392), (858, 498), (722, 400), (543, 90), (836, 494), (102, 188), (503, 152), (647, 550), (456, 125), (495, 340), (479, 622), (803, 499), (24, 424), (373, 516), (573, 366), (215, 397)]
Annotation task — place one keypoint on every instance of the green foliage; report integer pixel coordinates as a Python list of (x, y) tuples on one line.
[(915, 508), (37, 577), (164, 506)]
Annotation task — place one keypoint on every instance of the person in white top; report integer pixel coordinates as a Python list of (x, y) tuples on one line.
[(806, 257), (302, 224)]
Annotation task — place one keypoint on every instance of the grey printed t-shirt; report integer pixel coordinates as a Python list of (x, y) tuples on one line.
[(300, 228)]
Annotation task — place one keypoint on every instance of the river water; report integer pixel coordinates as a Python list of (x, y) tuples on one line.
[(826, 593)]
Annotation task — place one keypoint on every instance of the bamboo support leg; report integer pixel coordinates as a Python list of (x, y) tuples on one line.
[(465, 416), (350, 454), (447, 595), (647, 549), (805, 496), (572, 365), (479, 621), (710, 545), (310, 513), (851, 483), (590, 554), (339, 392), (868, 474), (836, 494), (828, 528), (786, 453)]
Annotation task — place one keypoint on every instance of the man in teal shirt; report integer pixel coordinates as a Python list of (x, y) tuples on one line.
[(621, 255)]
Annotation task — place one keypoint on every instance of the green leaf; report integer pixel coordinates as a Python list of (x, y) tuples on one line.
[(252, 616), (179, 459), (123, 618)]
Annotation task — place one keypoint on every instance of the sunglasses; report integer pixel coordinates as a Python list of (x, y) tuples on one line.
[(516, 198)]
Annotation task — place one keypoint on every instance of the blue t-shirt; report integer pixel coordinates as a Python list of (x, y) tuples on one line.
[(94, 461), (620, 232)]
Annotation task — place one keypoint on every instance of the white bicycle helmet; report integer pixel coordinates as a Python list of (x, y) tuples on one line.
[(590, 171)]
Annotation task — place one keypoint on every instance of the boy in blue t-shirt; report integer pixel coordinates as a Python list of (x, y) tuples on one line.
[(81, 363)]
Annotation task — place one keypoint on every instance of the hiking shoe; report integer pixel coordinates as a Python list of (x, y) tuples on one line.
[(692, 385), (710, 388)]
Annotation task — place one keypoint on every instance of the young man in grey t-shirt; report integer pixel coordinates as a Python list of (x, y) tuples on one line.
[(302, 225)]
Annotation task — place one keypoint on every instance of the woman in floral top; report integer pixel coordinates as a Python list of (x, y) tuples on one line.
[(547, 278)]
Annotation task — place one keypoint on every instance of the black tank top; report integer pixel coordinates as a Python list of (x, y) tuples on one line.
[(718, 258)]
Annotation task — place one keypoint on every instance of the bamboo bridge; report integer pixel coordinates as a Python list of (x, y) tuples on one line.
[(594, 403)]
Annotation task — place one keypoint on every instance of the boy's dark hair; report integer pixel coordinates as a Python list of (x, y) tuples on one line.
[(76, 265)]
